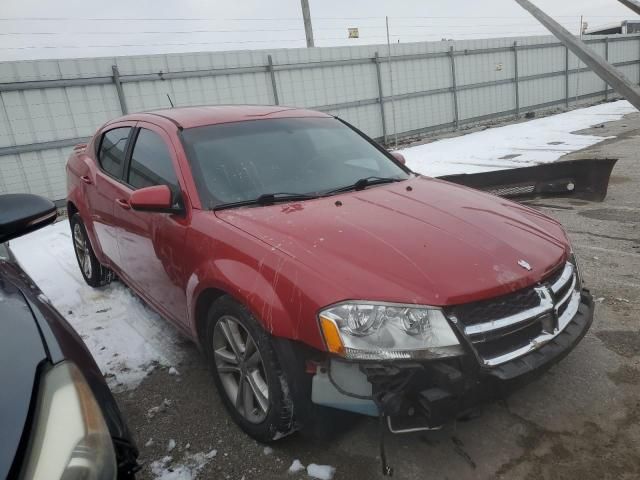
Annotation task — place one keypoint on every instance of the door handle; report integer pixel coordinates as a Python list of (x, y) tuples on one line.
[(122, 203), (86, 179)]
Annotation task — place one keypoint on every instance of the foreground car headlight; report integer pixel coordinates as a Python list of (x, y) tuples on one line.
[(70, 439), (384, 331)]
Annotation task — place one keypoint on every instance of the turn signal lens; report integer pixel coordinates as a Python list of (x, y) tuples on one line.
[(331, 336)]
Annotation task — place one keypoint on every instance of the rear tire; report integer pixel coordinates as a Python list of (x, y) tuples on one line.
[(247, 373), (92, 271)]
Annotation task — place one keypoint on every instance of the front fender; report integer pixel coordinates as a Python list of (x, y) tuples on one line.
[(270, 292)]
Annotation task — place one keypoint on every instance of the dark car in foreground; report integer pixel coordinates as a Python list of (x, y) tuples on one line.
[(314, 268), (58, 418)]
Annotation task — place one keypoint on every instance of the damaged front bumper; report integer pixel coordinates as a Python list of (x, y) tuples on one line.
[(425, 395)]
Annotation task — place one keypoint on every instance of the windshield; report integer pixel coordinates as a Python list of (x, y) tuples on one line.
[(236, 162)]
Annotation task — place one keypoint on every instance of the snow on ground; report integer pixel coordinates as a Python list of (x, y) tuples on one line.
[(524, 144), (125, 337), (321, 472), (296, 467), (187, 469)]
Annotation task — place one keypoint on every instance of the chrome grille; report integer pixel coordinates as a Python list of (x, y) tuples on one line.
[(505, 306), (508, 327)]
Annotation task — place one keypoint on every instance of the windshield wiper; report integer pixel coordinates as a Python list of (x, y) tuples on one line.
[(364, 183), (267, 199)]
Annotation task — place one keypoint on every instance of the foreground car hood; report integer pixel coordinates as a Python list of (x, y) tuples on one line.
[(21, 351), (422, 241)]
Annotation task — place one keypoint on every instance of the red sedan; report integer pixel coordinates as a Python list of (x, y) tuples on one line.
[(315, 269)]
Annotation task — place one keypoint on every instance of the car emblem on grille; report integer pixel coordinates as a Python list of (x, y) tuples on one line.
[(524, 264)]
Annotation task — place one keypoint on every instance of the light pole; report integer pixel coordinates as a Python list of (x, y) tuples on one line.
[(306, 16)]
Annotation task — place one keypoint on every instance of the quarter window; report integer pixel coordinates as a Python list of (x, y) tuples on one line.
[(151, 162), (113, 149)]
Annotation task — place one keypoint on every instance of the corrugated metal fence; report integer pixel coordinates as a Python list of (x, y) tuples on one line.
[(47, 106)]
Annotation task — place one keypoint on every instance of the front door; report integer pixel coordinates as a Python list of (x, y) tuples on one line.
[(151, 244)]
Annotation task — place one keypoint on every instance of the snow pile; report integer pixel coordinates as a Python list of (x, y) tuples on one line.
[(187, 469), (124, 336), (321, 472), (524, 144), (153, 411), (211, 454), (296, 467)]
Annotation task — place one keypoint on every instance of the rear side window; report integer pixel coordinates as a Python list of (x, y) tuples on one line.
[(151, 162), (113, 149)]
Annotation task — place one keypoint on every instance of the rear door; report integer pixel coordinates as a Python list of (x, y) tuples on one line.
[(152, 244), (111, 155)]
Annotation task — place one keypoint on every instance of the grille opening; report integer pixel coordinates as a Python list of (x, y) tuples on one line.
[(563, 308), (509, 343), (494, 335), (495, 308)]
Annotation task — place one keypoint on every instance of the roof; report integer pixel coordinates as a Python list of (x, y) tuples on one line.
[(600, 28), (609, 26), (189, 117)]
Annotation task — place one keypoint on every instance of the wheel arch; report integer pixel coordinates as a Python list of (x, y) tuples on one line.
[(203, 302), (71, 209)]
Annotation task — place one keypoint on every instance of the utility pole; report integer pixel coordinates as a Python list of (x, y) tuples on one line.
[(393, 100), (579, 61), (306, 16)]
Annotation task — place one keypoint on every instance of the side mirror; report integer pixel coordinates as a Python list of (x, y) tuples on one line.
[(399, 157), (153, 199), (21, 213)]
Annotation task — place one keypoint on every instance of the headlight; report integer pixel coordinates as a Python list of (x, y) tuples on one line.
[(386, 331), (70, 438)]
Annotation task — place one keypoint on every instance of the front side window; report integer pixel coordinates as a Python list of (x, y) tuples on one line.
[(113, 149), (237, 162), (151, 162)]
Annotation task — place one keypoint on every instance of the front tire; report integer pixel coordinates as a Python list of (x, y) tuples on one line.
[(92, 271), (247, 373)]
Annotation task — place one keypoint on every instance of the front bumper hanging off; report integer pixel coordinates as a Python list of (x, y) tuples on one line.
[(425, 395)]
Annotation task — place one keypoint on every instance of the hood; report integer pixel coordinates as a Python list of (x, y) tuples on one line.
[(423, 241), (21, 351)]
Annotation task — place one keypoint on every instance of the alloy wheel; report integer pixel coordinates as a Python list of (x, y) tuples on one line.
[(241, 369), (83, 253)]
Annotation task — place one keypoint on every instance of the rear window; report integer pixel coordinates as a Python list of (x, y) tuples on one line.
[(112, 151)]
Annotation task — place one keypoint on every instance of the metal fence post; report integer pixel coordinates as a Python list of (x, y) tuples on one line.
[(516, 77), (454, 86), (376, 59), (274, 86), (118, 84), (566, 77), (606, 57)]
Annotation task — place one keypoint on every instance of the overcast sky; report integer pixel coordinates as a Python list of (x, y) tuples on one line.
[(31, 29)]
